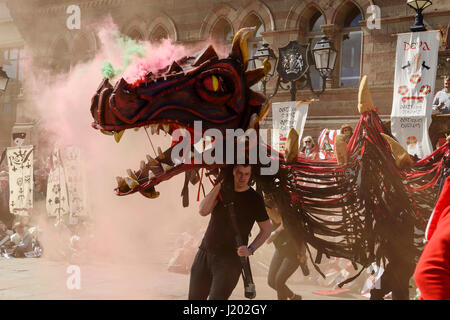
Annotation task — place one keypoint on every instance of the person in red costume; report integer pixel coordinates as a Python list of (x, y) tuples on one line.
[(432, 274)]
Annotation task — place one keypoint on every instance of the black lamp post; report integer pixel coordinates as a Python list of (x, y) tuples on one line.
[(293, 65), (419, 6), (3, 80)]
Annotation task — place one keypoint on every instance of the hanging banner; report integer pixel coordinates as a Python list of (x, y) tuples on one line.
[(57, 193), (73, 172), (20, 163), (287, 115), (415, 75)]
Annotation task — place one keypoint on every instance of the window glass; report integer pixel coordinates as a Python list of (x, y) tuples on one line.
[(351, 58), (316, 21)]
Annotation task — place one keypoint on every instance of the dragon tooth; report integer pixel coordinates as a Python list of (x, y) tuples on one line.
[(166, 167), (151, 161), (118, 135), (132, 183), (136, 129), (131, 174), (151, 175), (121, 184), (142, 165), (160, 153), (153, 128), (108, 133), (166, 128)]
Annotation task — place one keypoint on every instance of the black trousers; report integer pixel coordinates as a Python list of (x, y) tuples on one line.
[(395, 278), (283, 265), (214, 275)]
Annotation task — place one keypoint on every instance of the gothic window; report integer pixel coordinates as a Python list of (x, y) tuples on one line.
[(13, 62), (135, 35), (158, 34), (350, 66), (222, 31), (313, 19)]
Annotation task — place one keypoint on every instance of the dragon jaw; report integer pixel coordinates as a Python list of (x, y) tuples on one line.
[(200, 88)]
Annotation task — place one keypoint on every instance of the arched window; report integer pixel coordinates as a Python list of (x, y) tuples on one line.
[(61, 57), (312, 18), (135, 35), (158, 34), (350, 63), (222, 31)]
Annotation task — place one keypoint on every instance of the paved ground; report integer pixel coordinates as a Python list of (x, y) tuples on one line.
[(46, 279)]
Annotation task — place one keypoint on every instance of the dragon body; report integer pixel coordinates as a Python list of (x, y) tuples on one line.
[(358, 207)]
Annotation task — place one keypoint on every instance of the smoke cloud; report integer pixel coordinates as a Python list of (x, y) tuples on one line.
[(131, 230)]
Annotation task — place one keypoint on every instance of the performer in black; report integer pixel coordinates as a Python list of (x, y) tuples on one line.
[(286, 258), (217, 266)]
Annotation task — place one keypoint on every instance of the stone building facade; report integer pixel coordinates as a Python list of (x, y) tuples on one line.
[(362, 49)]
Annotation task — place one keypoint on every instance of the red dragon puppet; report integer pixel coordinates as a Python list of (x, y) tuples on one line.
[(372, 203)]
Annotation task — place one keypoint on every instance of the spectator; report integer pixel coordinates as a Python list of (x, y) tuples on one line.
[(347, 131), (309, 150), (441, 102), (22, 241), (5, 235)]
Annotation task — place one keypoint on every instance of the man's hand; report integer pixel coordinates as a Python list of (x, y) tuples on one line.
[(243, 251)]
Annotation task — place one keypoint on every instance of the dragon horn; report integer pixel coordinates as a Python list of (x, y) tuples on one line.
[(365, 103), (239, 49), (291, 150), (254, 76)]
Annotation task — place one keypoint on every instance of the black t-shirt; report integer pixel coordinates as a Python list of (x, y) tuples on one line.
[(219, 236)]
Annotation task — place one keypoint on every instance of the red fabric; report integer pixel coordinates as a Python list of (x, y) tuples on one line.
[(442, 203), (432, 274)]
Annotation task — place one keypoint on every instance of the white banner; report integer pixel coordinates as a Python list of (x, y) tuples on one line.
[(73, 172), (415, 75), (20, 163), (287, 115), (57, 193), (65, 188)]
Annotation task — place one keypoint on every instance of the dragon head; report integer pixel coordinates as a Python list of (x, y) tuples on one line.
[(195, 88)]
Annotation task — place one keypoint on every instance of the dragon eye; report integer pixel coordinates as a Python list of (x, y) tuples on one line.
[(213, 83)]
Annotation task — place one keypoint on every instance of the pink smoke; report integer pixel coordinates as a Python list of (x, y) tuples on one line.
[(132, 229)]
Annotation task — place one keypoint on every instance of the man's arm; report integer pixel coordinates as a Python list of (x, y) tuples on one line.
[(210, 201), (436, 102), (265, 228)]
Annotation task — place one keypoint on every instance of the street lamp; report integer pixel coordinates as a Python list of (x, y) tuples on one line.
[(325, 57), (293, 65), (3, 80), (418, 6), (266, 52)]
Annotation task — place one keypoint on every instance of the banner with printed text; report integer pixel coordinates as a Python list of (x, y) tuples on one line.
[(20, 164), (287, 115), (415, 75)]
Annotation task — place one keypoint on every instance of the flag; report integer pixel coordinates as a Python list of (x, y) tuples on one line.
[(287, 115), (414, 85), (20, 163), (66, 189), (326, 143)]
